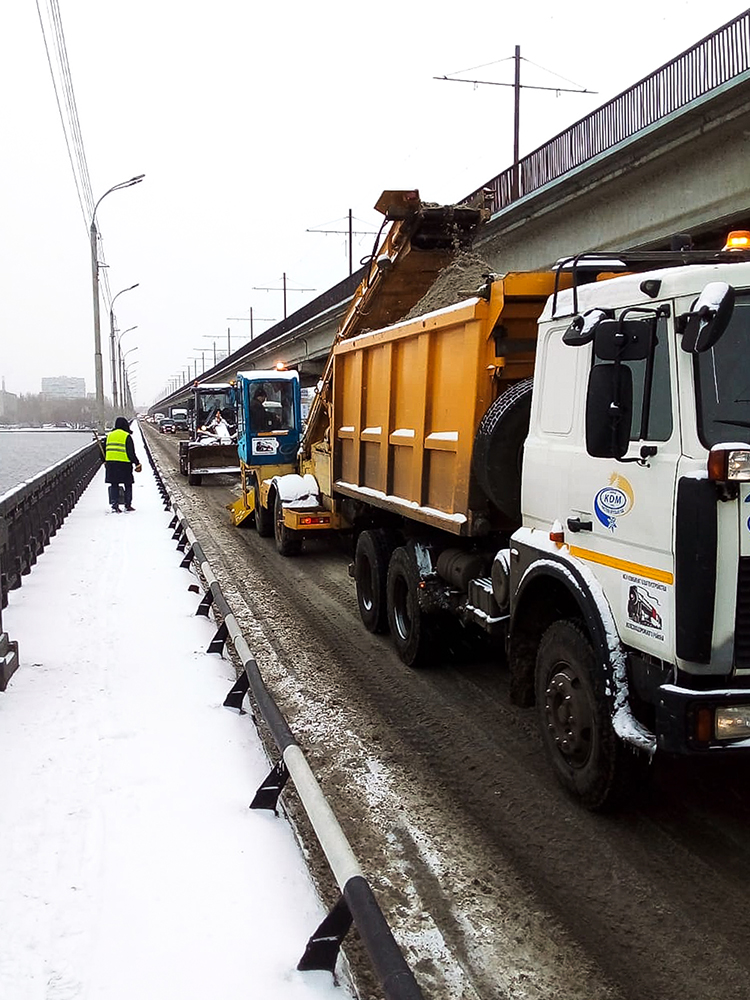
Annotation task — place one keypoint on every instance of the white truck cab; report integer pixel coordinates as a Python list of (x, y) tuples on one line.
[(630, 575)]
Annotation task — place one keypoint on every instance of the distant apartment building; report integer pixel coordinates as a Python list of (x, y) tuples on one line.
[(8, 404), (63, 387)]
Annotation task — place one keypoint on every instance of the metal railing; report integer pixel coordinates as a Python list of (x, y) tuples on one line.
[(711, 62), (31, 513)]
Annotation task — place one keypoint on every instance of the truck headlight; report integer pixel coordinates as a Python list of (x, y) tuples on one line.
[(729, 464), (732, 722)]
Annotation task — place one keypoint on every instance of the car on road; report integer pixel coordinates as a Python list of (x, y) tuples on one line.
[(166, 426)]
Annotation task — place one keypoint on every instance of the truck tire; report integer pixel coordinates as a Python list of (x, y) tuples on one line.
[(263, 516), (409, 628), (498, 448), (371, 557), (288, 543), (586, 754), (194, 479)]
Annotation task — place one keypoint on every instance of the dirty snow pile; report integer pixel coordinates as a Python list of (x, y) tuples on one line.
[(131, 864)]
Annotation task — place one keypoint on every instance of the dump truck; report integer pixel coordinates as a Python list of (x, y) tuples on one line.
[(212, 421), (561, 461), (276, 459)]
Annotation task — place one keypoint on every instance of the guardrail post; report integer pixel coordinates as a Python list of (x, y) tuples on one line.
[(236, 696), (205, 605), (267, 796), (323, 947), (217, 643)]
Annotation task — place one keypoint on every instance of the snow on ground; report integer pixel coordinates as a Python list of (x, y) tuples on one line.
[(131, 865)]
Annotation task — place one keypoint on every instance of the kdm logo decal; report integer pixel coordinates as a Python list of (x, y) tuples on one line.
[(615, 500)]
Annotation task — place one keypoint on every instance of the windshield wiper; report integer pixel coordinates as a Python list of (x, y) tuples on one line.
[(735, 423)]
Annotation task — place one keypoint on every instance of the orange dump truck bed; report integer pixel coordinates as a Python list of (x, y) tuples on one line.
[(408, 400)]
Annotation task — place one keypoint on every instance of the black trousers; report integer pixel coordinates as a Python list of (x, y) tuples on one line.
[(114, 493)]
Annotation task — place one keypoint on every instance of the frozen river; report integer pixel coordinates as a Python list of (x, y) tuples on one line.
[(24, 454)]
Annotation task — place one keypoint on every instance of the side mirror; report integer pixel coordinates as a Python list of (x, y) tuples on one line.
[(582, 329), (708, 318), (609, 410), (624, 340)]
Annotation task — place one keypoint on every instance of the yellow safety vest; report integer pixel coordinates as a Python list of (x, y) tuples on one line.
[(116, 451)]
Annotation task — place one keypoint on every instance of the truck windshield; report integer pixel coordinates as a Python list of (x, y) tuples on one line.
[(722, 381)]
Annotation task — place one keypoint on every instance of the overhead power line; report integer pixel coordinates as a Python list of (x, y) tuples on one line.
[(53, 35)]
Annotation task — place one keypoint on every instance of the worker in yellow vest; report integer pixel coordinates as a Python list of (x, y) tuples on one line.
[(119, 460)]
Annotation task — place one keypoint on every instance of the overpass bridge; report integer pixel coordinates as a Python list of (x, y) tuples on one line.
[(668, 155)]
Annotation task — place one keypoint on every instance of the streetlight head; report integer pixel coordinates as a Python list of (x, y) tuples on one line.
[(137, 179)]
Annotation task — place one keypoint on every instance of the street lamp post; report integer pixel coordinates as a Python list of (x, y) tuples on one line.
[(113, 359), (120, 369), (129, 351), (128, 401), (93, 234)]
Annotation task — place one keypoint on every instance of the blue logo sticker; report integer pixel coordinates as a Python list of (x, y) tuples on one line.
[(614, 501)]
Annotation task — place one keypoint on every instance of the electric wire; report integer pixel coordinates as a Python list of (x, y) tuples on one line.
[(79, 191), (53, 36)]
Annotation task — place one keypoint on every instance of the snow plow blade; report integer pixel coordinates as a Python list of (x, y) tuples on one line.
[(239, 510)]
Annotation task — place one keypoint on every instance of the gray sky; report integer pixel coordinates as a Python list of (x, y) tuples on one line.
[(254, 123)]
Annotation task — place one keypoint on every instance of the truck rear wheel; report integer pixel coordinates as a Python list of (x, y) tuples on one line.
[(263, 516), (288, 542), (374, 548), (498, 448), (194, 479), (409, 628), (585, 752)]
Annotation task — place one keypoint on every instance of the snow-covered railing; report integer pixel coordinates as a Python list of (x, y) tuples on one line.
[(30, 515), (357, 902)]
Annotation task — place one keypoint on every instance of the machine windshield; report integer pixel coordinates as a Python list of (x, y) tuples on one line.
[(211, 403), (271, 406), (722, 379)]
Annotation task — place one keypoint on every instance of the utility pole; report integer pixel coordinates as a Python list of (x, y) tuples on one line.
[(351, 232), (243, 319), (284, 289), (517, 87)]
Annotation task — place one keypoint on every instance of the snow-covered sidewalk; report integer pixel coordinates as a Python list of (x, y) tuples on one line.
[(131, 865)]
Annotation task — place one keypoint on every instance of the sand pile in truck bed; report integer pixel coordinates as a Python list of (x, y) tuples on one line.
[(459, 280)]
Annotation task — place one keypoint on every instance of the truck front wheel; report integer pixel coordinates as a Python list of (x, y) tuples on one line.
[(263, 516), (288, 542), (374, 548), (586, 754), (408, 624)]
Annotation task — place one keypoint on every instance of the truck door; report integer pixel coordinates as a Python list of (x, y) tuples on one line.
[(630, 502)]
